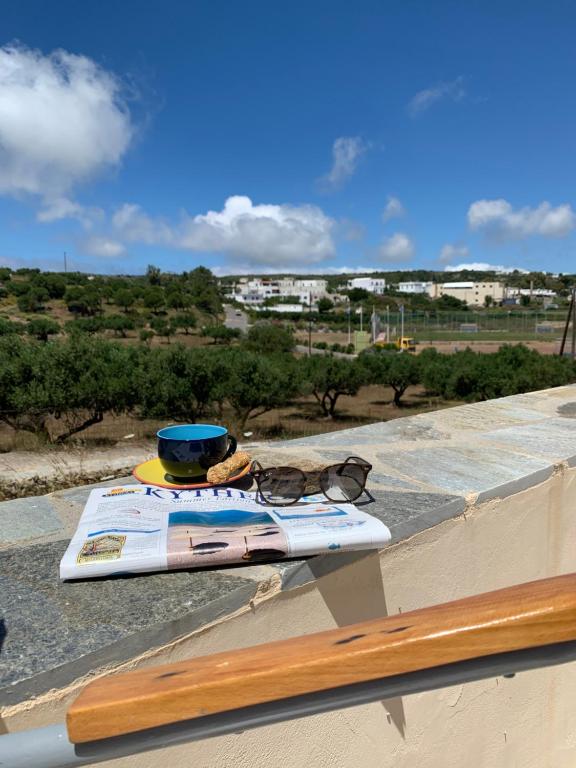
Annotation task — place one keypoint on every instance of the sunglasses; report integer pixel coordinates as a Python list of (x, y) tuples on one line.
[(283, 486)]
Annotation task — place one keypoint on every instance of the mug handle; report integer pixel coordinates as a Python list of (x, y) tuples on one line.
[(231, 448)]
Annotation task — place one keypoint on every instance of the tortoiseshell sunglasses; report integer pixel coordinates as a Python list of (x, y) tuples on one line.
[(283, 486)]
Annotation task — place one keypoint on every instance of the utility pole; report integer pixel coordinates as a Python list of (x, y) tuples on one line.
[(349, 310), (309, 324), (571, 317), (65, 263), (401, 322), (574, 324)]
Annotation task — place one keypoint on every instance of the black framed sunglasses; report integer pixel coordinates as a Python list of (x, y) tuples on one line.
[(282, 486)]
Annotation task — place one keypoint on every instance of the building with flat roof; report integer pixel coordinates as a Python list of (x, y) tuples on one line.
[(257, 290), (371, 284), (415, 286), (470, 292)]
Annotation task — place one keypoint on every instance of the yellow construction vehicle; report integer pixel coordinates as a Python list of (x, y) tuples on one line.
[(406, 344)]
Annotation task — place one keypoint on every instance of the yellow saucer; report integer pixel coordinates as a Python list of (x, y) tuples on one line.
[(152, 473)]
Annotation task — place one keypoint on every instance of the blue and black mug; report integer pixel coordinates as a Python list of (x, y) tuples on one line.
[(189, 450)]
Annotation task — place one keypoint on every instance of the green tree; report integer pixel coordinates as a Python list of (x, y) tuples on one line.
[(7, 327), (124, 298), (259, 384), (33, 300), (53, 283), (176, 298), (446, 302), (221, 334), (356, 295), (269, 339), (42, 327), (120, 324), (182, 384), (328, 378), (153, 275), (325, 305), (397, 370), (74, 382), (83, 301), (204, 292), (153, 298), (185, 320), (87, 325), (162, 327)]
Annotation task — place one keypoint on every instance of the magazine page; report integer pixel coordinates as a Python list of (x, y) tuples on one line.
[(140, 528)]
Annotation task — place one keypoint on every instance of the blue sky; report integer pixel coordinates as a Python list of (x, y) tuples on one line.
[(306, 136)]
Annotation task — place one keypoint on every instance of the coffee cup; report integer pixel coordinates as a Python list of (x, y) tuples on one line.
[(189, 450)]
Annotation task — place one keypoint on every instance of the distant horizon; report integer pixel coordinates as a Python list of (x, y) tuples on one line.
[(317, 274)]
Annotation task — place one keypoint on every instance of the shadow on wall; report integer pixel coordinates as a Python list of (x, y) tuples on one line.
[(369, 602)]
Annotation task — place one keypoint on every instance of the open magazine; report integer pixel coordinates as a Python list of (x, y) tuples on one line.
[(139, 528)]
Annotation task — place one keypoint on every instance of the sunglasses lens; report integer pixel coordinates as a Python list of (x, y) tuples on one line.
[(344, 482), (282, 485)]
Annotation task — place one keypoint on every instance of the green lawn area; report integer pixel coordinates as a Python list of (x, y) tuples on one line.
[(500, 336)]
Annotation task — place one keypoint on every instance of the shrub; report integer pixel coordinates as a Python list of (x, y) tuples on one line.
[(221, 334), (269, 339)]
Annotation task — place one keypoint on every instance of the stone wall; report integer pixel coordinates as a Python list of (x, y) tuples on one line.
[(477, 497)]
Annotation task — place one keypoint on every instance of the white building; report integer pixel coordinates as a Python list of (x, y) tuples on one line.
[(370, 284), (257, 290), (415, 287), (535, 293)]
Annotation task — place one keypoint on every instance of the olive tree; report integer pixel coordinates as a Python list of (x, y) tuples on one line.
[(181, 384), (269, 339), (258, 384), (328, 378), (42, 327)]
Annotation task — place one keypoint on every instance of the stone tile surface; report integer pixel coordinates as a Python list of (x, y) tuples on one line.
[(48, 623), (29, 518), (553, 438), (465, 469)]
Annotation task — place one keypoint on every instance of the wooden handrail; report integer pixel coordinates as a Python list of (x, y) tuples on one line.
[(531, 615)]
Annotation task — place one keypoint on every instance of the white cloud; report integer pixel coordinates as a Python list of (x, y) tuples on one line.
[(423, 100), (62, 208), (399, 247), (346, 153), (263, 234), (498, 218), (479, 266), (62, 121), (130, 223), (247, 269), (394, 209), (102, 246), (279, 235), (451, 251)]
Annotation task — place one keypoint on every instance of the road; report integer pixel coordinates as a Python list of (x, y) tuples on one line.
[(233, 320), (303, 350)]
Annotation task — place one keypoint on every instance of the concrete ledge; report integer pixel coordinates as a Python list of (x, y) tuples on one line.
[(427, 469)]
